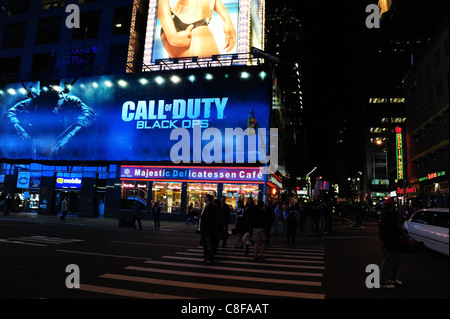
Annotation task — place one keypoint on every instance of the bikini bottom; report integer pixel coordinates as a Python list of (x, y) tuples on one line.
[(181, 26)]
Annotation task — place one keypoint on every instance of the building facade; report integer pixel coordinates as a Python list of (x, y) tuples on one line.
[(84, 118), (428, 123)]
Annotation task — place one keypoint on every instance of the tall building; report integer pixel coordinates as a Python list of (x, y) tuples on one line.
[(96, 114), (36, 42), (388, 54), (427, 136), (284, 40)]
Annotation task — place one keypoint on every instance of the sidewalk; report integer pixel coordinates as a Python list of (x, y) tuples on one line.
[(168, 223)]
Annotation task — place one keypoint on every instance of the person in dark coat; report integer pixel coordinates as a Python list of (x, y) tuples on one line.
[(257, 229), (270, 220), (249, 210), (156, 210), (136, 214), (291, 225), (240, 225), (390, 237), (225, 218), (210, 228)]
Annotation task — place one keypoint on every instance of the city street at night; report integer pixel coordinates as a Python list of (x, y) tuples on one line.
[(276, 157), (167, 264)]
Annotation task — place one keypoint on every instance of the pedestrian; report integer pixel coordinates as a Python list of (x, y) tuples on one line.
[(358, 215), (315, 218), (240, 229), (257, 226), (210, 228), (65, 209), (190, 214), (390, 237), (225, 218), (156, 210), (302, 218), (270, 220), (291, 225), (248, 215), (327, 219), (136, 214), (277, 214), (9, 203)]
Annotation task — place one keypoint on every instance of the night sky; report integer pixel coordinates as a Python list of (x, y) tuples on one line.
[(338, 46)]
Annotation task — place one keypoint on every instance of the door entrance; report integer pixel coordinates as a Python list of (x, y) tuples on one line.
[(74, 201)]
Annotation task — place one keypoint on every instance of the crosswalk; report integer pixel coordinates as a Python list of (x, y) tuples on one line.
[(40, 241), (285, 272)]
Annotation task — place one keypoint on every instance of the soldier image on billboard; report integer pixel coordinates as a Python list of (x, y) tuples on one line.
[(45, 123)]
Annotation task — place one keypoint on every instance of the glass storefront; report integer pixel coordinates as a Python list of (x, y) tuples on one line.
[(236, 192), (169, 194), (197, 191), (132, 191)]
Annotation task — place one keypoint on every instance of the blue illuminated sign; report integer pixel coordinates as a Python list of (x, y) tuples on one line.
[(128, 117), (68, 180)]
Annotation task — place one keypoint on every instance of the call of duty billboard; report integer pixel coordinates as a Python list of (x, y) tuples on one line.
[(129, 117)]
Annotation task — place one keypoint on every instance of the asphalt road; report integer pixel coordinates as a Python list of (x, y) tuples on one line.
[(167, 264)]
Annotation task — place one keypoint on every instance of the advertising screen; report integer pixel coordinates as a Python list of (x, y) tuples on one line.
[(68, 180), (202, 28), (131, 117)]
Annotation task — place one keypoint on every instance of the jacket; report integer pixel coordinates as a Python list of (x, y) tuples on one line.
[(389, 227)]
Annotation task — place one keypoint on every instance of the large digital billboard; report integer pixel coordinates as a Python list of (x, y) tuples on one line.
[(202, 28), (134, 117)]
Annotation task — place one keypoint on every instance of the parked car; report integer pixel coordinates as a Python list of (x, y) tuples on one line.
[(430, 226)]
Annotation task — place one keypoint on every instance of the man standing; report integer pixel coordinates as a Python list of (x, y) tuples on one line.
[(65, 209), (209, 228), (225, 218), (390, 237), (136, 214)]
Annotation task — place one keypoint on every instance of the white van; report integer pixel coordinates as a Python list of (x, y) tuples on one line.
[(430, 226)]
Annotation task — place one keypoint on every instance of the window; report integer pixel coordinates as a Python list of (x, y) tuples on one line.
[(197, 191), (41, 62), (440, 219), (122, 20), (118, 54), (169, 195), (133, 191), (87, 1), (423, 217), (18, 7), (52, 4), (14, 35), (10, 65), (89, 26), (48, 30)]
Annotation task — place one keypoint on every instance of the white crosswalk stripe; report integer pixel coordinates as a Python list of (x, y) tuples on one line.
[(285, 272), (40, 241)]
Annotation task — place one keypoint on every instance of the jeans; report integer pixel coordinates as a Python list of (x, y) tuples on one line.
[(389, 264), (209, 244), (156, 220)]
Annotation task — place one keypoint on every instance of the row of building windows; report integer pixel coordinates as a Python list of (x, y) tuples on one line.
[(48, 29), (50, 60), (377, 100), (16, 7)]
